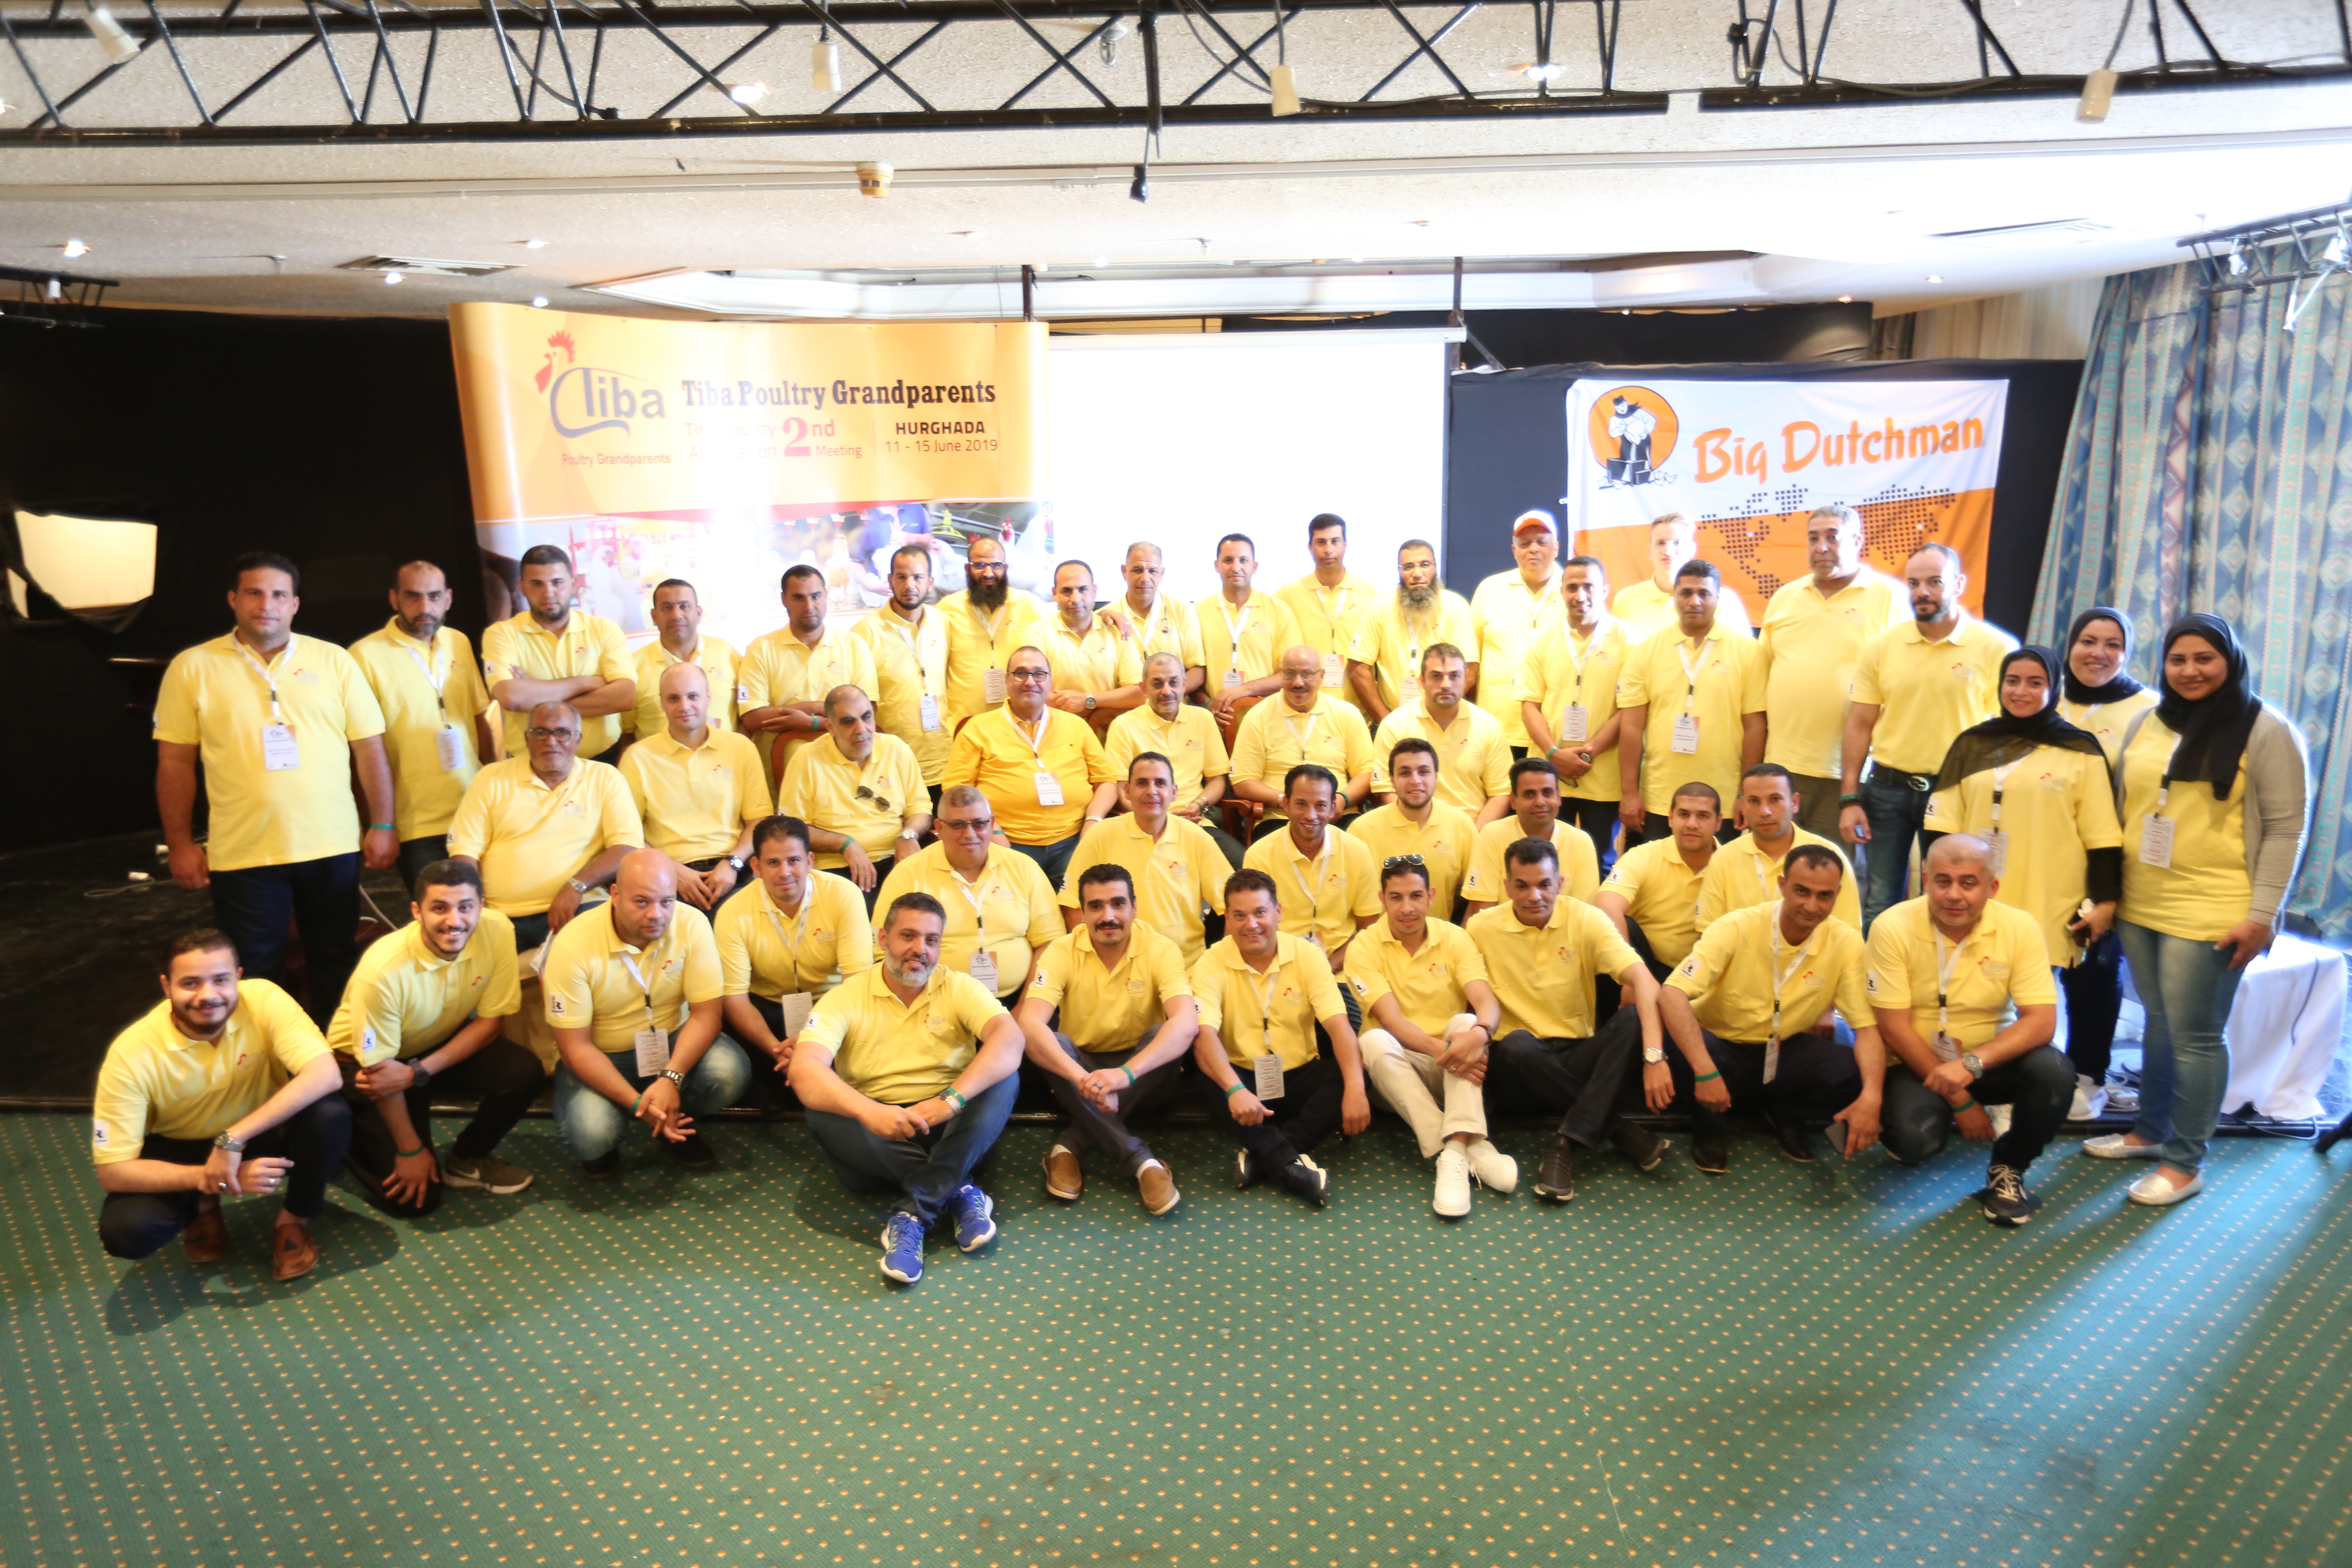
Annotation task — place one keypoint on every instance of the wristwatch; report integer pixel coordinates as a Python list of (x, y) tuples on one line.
[(1091, 701), (577, 886), (1652, 1056), (229, 1145), (677, 1078), (1969, 1060), (736, 861), (419, 1074)]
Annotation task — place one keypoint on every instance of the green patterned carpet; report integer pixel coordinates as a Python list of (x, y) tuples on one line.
[(1789, 1365)]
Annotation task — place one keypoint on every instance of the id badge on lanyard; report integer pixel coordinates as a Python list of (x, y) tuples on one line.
[(1685, 739), (2156, 833), (279, 753), (652, 1042), (1995, 837)]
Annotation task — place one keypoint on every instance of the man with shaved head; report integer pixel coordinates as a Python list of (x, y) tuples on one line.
[(1307, 725), (1961, 987), (700, 790), (545, 828), (439, 724), (1161, 624), (633, 991)]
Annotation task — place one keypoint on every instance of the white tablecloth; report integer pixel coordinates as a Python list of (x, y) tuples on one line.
[(2284, 1028)]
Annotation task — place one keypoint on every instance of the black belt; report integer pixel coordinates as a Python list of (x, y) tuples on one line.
[(1923, 783)]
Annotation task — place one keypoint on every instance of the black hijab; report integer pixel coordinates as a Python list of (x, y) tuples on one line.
[(2114, 691), (2002, 740), (2213, 729)]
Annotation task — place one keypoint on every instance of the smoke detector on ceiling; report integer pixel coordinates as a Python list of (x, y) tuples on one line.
[(425, 267)]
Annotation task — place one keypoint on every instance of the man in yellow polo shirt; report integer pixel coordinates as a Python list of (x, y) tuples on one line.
[(1417, 823), (1543, 953), (437, 715), (1002, 911), (1184, 733), (861, 792), (1242, 635), (1813, 632), (550, 651), (909, 1072), (1508, 611), (678, 615), (1040, 767), (1333, 882), (1177, 869), (1097, 668), (1690, 704), (1916, 688), (985, 623), (787, 673), (1981, 1036), (1119, 993), (545, 828), (794, 934), (1568, 700), (221, 1088), (633, 993), (1749, 1009), (908, 642), (421, 1016), (1161, 624), (280, 723), (1329, 603), (1307, 725), (698, 789), (1268, 1002), (1397, 629), (1648, 607), (1535, 814), (1651, 895), (1473, 756), (1748, 869)]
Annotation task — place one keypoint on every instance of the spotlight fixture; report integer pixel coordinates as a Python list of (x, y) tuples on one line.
[(112, 37), (1140, 188), (825, 62), (1544, 71), (1936, 280), (748, 93), (539, 301), (874, 180), (1112, 36), (2237, 259), (2334, 253), (391, 279), (74, 249), (534, 244), (1286, 90), (2099, 95)]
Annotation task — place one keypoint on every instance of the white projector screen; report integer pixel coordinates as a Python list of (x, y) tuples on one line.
[(1179, 439)]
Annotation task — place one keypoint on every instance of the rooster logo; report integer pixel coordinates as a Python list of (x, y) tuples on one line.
[(547, 367)]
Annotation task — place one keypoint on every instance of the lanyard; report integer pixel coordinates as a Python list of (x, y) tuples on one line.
[(437, 679), (1944, 967), (1780, 977), (1762, 880), (1265, 999), (1292, 725), (800, 925), (990, 625), (2163, 785), (270, 680), (1577, 661), (979, 915), (628, 962), (1690, 671), (1233, 632), (1332, 613), (911, 635), (1037, 746), (1304, 885), (1412, 639), (1999, 788)]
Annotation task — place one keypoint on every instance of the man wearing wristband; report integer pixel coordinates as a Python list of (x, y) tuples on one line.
[(1962, 988), (633, 988), (909, 1072), (786, 673), (788, 940), (1126, 1018)]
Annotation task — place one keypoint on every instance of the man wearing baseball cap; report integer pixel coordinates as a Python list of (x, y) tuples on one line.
[(1506, 613)]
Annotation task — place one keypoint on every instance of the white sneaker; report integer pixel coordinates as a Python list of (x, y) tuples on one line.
[(1453, 1199), (2090, 1100), (1497, 1172), (2157, 1193), (2123, 1101), (1999, 1115)]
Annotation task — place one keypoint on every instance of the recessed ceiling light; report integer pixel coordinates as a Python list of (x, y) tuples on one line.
[(539, 301), (1936, 280), (73, 247), (748, 92), (534, 244)]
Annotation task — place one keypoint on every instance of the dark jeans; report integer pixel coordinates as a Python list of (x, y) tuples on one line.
[(1894, 811), (1817, 1078), (1052, 858), (1600, 821), (923, 1171), (1818, 808), (502, 1078), (132, 1225), (1307, 1112), (1108, 1130), (322, 896), (1577, 1077), (593, 1125), (416, 854), (2038, 1087), (1232, 847), (743, 881), (2094, 997)]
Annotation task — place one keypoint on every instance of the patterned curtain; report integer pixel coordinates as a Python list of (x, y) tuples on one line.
[(2209, 467)]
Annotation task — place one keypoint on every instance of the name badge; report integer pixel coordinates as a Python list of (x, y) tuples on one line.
[(2155, 843), (1268, 1072), (1334, 667), (1772, 1058), (1049, 788), (1947, 1048), (1571, 723), (1998, 841), (983, 968), (796, 1006), (652, 1051), (992, 687), (448, 748), (1233, 677), (279, 751), (930, 720), (1685, 741)]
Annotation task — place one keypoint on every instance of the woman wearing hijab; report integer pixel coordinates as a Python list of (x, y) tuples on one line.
[(2213, 785), (2100, 694)]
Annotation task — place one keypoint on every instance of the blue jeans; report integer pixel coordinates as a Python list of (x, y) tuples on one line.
[(1052, 858), (1894, 811), (592, 1125), (923, 1172), (2188, 988), (320, 896)]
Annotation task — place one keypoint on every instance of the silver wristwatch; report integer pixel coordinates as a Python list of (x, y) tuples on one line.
[(736, 861), (1652, 1056), (229, 1145), (1969, 1060)]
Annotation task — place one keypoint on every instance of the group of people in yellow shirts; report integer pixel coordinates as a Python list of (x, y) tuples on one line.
[(1587, 854)]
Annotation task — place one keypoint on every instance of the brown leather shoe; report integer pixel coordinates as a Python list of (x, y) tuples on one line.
[(206, 1238), (292, 1252), (1158, 1188), (1065, 1178)]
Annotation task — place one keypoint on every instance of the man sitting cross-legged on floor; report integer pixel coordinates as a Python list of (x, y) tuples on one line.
[(1127, 1020), (222, 1086), (793, 936), (1422, 982), (1265, 996), (1750, 1008), (909, 1072), (422, 1014)]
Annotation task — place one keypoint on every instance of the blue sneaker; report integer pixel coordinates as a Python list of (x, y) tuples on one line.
[(902, 1248), (974, 1212)]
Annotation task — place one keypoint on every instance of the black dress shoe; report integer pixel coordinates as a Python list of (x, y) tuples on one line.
[(1795, 1141), (1710, 1152), (695, 1153), (1643, 1147), (1556, 1179), (604, 1167)]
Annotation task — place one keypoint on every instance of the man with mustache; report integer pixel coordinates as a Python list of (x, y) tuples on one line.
[(438, 723), (1384, 657), (547, 828), (984, 624), (552, 651)]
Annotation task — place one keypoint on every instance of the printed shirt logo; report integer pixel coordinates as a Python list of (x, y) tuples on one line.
[(556, 1005), (98, 1133)]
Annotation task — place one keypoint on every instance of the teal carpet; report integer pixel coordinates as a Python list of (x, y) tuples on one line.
[(1823, 1365)]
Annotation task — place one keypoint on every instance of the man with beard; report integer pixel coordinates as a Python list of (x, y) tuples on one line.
[(984, 624), (1813, 632), (436, 713), (1242, 634), (1418, 825), (1329, 603), (787, 673), (550, 652), (1185, 734), (1473, 757), (1161, 624), (1384, 658), (908, 642), (789, 939), (677, 616)]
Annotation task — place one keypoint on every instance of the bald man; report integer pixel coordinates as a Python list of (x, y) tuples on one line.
[(699, 789), (1307, 725)]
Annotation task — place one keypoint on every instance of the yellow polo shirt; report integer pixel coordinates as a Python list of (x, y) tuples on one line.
[(1321, 894), (1731, 975), (588, 986), (780, 669), (1168, 626), (719, 662), (1661, 894), (1111, 1011), (1428, 984), (821, 788), (1099, 659), (765, 953), (977, 644), (1648, 609), (2056, 807), (1928, 692), (1506, 616), (213, 698), (2002, 966), (910, 663), (2109, 720), (994, 753), (1741, 876), (1543, 975), (156, 1080), (1442, 843), (1726, 683), (424, 795), (1810, 644), (1392, 644), (2206, 890), (520, 648), (1274, 1013), (1175, 875), (1190, 741), (901, 1053), (406, 1000), (1559, 671), (1489, 879), (696, 802), (1274, 738), (530, 839), (1326, 619), (1264, 629), (1474, 754), (1009, 909)]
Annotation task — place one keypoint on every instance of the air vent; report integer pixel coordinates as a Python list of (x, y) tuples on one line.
[(420, 265)]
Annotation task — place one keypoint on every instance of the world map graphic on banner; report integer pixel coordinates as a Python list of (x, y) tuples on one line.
[(1747, 461)]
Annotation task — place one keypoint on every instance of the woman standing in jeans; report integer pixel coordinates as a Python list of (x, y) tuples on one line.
[(2212, 786)]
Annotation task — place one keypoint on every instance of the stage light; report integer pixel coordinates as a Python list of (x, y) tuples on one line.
[(539, 301), (391, 279), (2334, 254), (1140, 188), (55, 290), (2237, 259), (748, 93), (1846, 298), (874, 180), (74, 249), (825, 62), (1544, 71), (534, 244), (112, 37), (1112, 36)]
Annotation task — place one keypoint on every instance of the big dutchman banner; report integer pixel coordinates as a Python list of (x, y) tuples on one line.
[(1747, 460), (724, 453)]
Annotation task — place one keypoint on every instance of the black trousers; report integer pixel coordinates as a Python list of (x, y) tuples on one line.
[(322, 897), (1577, 1079), (2038, 1087), (1308, 1113), (1817, 1078), (2095, 998), (502, 1078), (133, 1225), (416, 854), (1110, 1130), (1599, 820)]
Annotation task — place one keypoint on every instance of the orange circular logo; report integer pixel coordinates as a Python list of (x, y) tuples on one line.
[(1632, 431)]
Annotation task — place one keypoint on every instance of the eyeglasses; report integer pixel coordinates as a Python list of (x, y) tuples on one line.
[(1393, 861), (1029, 676), (866, 794), (538, 735), (981, 826)]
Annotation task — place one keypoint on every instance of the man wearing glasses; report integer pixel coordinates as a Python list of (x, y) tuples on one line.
[(861, 792), (699, 789), (1039, 766), (545, 828), (1308, 725), (1000, 911)]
